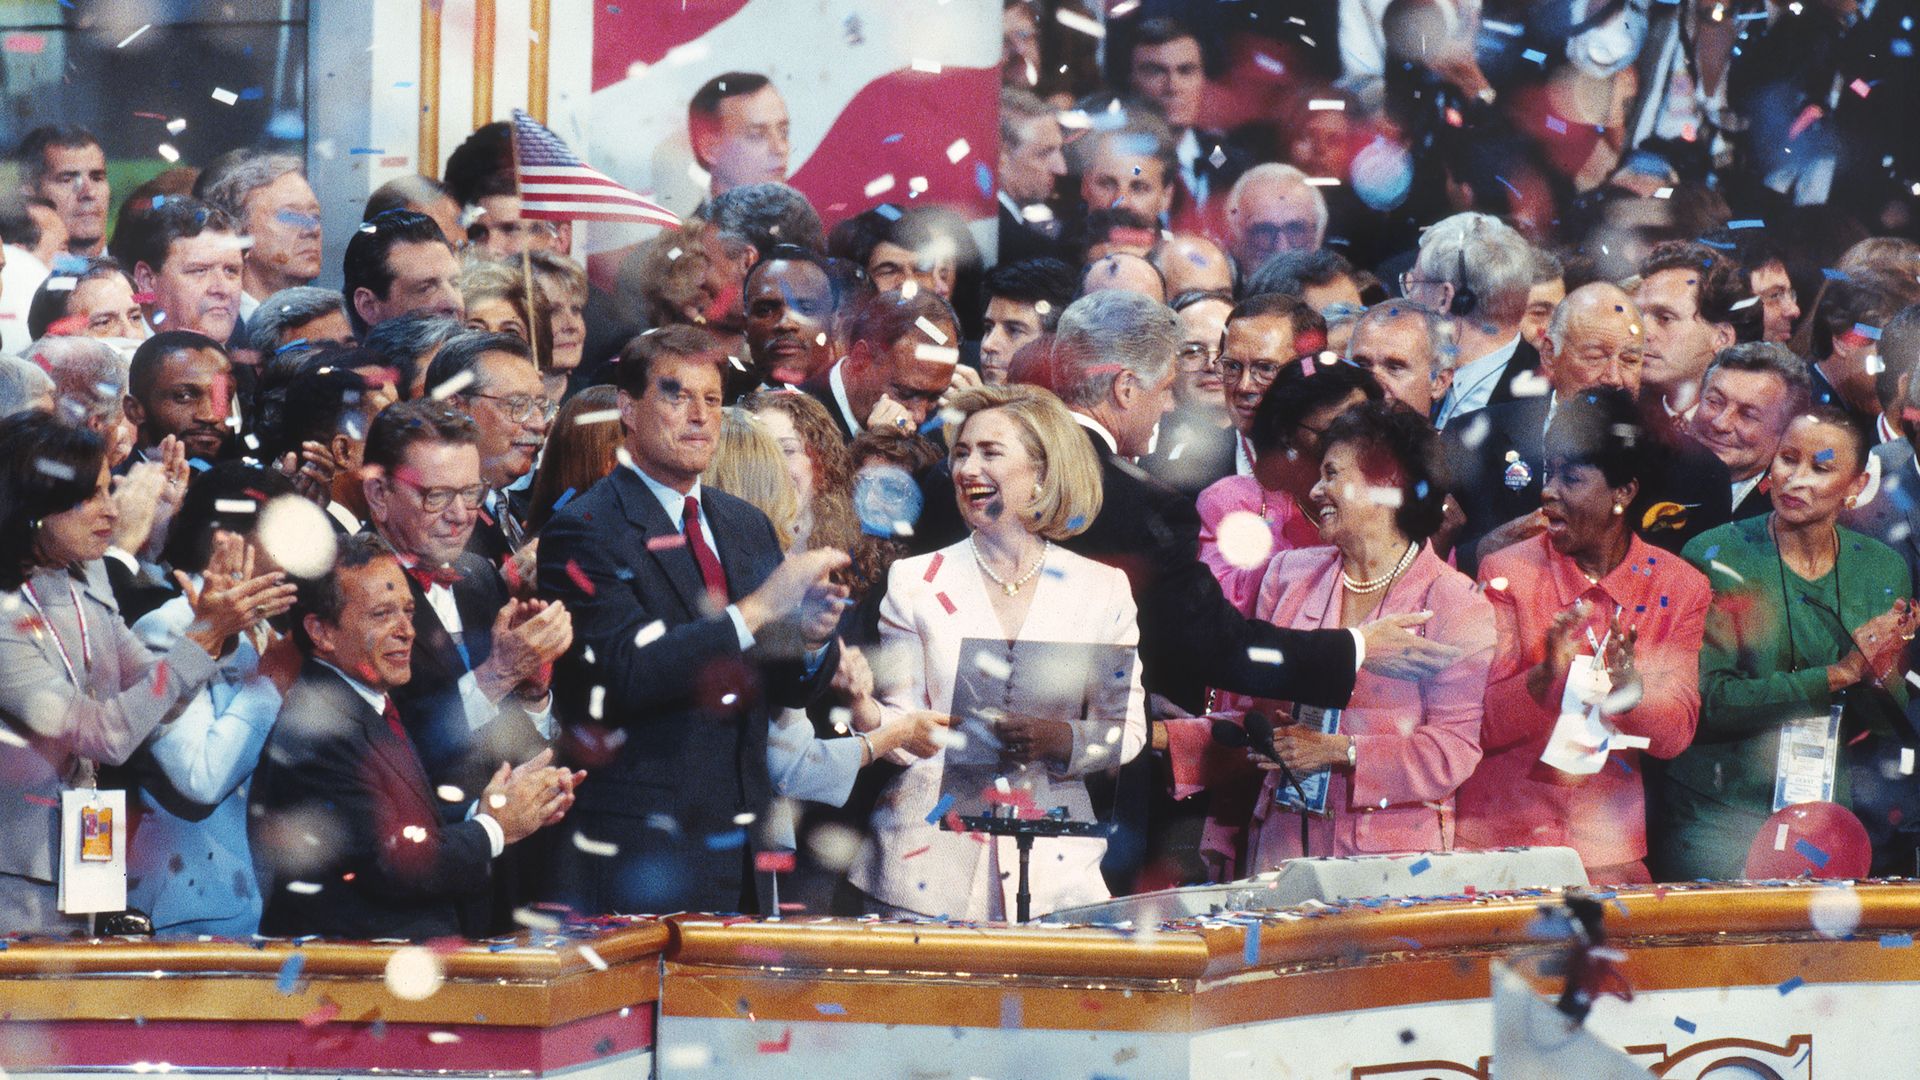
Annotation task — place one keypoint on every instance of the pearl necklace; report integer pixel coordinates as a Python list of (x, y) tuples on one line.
[(1011, 588), (1362, 588)]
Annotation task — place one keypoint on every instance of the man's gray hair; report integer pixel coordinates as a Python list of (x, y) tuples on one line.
[(21, 384), (236, 174), (1439, 330), (1274, 172), (1105, 332), (89, 377), (1770, 357), (289, 307), (1480, 252)]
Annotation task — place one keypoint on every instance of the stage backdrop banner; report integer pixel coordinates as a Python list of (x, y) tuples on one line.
[(907, 90)]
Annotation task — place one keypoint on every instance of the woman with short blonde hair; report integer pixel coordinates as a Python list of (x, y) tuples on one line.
[(1028, 648), (747, 463)]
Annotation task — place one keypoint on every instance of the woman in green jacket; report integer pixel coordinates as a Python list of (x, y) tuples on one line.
[(1805, 616)]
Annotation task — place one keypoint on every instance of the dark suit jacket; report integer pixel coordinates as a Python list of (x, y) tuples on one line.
[(1495, 456), (489, 539), (819, 390), (332, 769), (1020, 239), (1758, 501), (1525, 358), (1206, 455), (682, 730), (1893, 515), (135, 592)]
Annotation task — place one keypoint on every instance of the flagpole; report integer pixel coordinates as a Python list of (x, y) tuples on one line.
[(526, 251)]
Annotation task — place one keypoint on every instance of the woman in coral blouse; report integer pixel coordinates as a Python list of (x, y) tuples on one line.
[(1585, 595), (1399, 749)]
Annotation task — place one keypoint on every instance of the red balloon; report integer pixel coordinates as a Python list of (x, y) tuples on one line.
[(1815, 839)]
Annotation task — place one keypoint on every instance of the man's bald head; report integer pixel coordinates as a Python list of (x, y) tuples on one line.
[(1595, 339), (1125, 271), (1192, 263)]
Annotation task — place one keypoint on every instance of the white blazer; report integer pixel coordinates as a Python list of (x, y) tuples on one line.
[(935, 604)]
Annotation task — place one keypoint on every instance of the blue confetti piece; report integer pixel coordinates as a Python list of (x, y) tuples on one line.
[(1900, 47), (1896, 941), (983, 178), (1831, 274), (1663, 601), (1420, 867), (1871, 333), (1812, 853), (198, 465), (1717, 245), (828, 1008), (1713, 552), (1076, 522), (565, 497), (1791, 985), (1556, 125), (1747, 223), (940, 809), (366, 150), (1534, 56), (290, 972), (726, 841), (1010, 1012), (888, 211), (1824, 456), (1250, 948), (1685, 1024), (893, 138), (1420, 490)]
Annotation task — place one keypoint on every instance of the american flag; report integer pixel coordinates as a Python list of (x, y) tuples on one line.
[(558, 186)]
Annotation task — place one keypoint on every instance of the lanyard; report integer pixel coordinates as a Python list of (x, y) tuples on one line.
[(80, 614)]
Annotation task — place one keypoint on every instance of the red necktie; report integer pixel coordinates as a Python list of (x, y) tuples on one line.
[(392, 716), (710, 571)]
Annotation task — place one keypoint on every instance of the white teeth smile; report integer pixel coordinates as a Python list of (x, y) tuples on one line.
[(976, 491)]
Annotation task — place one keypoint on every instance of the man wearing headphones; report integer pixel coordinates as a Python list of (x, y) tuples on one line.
[(1478, 270)]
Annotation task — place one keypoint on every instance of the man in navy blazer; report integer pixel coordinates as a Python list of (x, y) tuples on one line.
[(690, 630)]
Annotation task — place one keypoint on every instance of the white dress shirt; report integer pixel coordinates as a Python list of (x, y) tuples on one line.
[(675, 504), (838, 384), (1474, 381)]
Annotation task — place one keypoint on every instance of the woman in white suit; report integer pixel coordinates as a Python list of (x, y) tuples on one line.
[(1028, 647)]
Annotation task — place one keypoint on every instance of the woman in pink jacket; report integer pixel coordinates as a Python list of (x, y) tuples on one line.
[(1585, 596), (1394, 756)]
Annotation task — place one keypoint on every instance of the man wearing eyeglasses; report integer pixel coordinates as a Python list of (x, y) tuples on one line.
[(1264, 334), (1272, 209), (481, 661), (491, 378)]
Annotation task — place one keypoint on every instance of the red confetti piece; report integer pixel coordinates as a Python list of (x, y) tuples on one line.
[(793, 907), (773, 862), (327, 1011), (1804, 121), (579, 577), (667, 542), (933, 567), (780, 1046), (160, 679), (945, 603), (954, 824), (511, 572), (917, 852), (71, 326), (41, 800)]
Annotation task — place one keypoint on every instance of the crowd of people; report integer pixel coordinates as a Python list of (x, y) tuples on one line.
[(1281, 487)]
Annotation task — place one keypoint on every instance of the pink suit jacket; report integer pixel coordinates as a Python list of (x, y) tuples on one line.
[(1513, 799), (1415, 741)]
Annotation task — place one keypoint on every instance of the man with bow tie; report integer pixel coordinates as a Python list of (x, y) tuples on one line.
[(482, 661)]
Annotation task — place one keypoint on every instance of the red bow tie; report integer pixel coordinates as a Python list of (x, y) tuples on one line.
[(428, 578)]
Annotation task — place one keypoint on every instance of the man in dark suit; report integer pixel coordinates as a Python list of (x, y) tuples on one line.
[(1495, 455), (348, 835), (900, 363), (482, 661), (332, 407), (491, 378), (1748, 396), (1167, 67), (1477, 269), (691, 630), (1032, 161)]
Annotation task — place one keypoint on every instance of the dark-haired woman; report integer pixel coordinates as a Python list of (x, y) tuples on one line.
[(1399, 749), (1805, 615), (1596, 624), (77, 687), (194, 772)]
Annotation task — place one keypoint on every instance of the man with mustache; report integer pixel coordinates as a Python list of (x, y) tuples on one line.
[(187, 256), (180, 383), (491, 378), (790, 304), (268, 196)]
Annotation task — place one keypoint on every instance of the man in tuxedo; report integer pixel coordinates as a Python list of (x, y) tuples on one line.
[(482, 661), (1496, 456), (691, 631), (491, 377), (1032, 161), (1477, 269), (1750, 393), (904, 349), (349, 837)]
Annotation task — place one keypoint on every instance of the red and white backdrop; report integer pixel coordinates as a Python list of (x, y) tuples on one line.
[(900, 88)]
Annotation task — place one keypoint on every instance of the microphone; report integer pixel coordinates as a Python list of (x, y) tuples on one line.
[(1260, 734)]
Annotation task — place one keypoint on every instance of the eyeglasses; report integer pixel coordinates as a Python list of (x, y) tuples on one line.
[(1197, 357), (1408, 281), (1264, 371), (520, 408), (437, 500)]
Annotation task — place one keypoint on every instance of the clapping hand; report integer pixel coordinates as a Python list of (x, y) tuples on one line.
[(231, 598), (1624, 677)]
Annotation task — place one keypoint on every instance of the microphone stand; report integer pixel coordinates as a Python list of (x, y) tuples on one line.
[(1005, 822)]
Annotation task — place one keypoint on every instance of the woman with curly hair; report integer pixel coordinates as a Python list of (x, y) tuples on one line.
[(822, 473)]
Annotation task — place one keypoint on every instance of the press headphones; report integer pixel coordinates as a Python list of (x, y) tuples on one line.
[(1464, 298)]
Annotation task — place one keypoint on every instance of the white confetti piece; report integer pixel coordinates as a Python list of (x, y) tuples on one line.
[(166, 150), (958, 149), (926, 326), (414, 973), (1780, 838), (304, 888), (879, 185), (937, 354), (1323, 181), (129, 39), (1906, 761), (452, 386), (605, 849), (1727, 570), (442, 1038), (649, 634), (993, 667), (450, 793), (588, 954), (1264, 656), (224, 96), (931, 67), (598, 416), (596, 701), (1073, 20), (235, 506)]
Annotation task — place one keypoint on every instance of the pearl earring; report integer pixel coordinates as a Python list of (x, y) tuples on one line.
[(1618, 509)]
